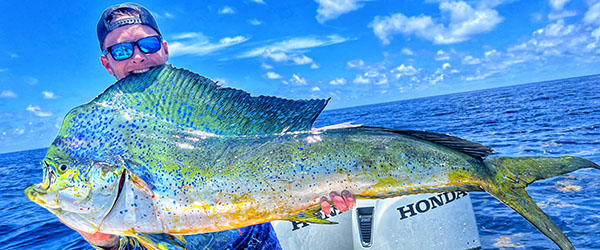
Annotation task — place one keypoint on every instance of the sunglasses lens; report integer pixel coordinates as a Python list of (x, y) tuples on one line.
[(121, 51), (149, 44)]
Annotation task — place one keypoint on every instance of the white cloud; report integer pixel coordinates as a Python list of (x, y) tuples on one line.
[(300, 60), (557, 29), (331, 9), (338, 81), (31, 80), (292, 50), (13, 55), (562, 14), (3, 69), (19, 131), (197, 44), (8, 94), (480, 76), (464, 22), (381, 81), (48, 95), (355, 63), (470, 60), (280, 56), (403, 70), (434, 79), (295, 45), (254, 22), (490, 53), (558, 4), (36, 110), (227, 10), (596, 33), (259, 1), (446, 65), (266, 66), (297, 80), (592, 15), (315, 88), (407, 51), (272, 75), (441, 56), (361, 80)]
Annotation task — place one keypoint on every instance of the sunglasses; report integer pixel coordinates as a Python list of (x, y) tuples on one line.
[(122, 51)]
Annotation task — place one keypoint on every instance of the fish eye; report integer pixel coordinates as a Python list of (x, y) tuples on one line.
[(63, 167)]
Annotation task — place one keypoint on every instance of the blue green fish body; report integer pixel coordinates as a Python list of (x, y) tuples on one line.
[(172, 152)]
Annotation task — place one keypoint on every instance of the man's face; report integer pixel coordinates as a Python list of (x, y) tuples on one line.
[(139, 62)]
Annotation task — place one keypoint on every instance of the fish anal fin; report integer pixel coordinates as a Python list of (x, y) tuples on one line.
[(161, 241), (311, 215), (180, 238)]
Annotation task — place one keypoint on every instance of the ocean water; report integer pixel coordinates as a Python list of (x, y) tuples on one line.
[(551, 118)]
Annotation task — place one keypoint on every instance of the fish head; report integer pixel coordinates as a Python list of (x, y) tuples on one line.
[(79, 190)]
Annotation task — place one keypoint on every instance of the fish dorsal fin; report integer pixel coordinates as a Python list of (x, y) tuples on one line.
[(470, 148), (193, 101)]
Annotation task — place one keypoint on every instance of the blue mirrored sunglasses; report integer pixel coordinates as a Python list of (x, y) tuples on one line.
[(122, 51)]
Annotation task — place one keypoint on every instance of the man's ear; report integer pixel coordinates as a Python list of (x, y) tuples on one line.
[(166, 48), (106, 65)]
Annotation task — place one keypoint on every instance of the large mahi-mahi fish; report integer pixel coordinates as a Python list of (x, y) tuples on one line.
[(170, 151)]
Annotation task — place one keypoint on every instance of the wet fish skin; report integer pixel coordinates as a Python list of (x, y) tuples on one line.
[(277, 177), (144, 167)]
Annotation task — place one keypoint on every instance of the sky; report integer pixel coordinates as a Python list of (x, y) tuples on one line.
[(357, 52)]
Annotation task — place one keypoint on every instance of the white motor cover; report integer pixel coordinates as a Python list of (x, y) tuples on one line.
[(422, 221)]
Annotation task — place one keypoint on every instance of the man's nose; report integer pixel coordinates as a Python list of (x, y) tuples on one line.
[(138, 55)]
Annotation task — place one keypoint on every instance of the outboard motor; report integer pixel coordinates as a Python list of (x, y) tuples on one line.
[(421, 221)]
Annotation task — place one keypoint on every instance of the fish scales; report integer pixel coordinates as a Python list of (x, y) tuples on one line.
[(285, 173), (172, 152)]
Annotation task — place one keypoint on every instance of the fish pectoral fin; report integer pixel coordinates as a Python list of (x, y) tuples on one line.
[(140, 183), (311, 215), (161, 241)]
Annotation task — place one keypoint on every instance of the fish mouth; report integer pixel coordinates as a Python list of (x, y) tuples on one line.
[(49, 177), (36, 191)]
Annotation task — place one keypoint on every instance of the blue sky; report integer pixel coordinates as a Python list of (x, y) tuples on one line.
[(356, 52)]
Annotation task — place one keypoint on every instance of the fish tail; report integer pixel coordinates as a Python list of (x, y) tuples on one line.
[(510, 176)]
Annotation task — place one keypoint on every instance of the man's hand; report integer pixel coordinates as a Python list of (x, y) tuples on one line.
[(98, 239), (342, 202)]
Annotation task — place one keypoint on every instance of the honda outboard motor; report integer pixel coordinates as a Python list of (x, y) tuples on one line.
[(422, 221)]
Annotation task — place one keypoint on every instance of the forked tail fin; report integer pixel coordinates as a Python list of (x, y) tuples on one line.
[(509, 177)]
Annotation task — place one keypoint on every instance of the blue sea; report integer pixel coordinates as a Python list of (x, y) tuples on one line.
[(552, 118)]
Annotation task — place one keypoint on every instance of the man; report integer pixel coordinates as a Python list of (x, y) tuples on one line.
[(131, 43)]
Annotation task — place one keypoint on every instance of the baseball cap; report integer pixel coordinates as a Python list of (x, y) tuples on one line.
[(105, 25)]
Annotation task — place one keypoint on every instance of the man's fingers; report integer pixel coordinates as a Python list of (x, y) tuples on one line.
[(338, 201), (349, 198), (325, 206)]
